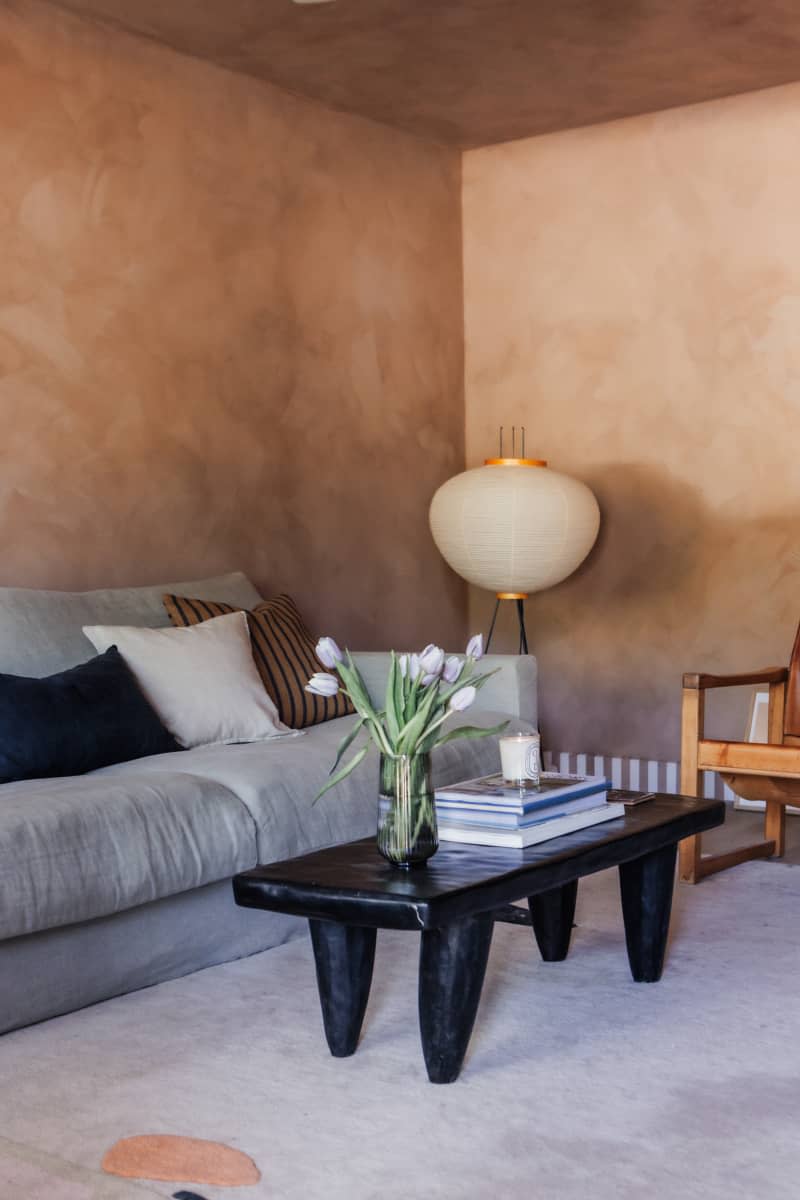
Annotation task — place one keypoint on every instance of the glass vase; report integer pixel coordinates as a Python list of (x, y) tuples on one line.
[(407, 834)]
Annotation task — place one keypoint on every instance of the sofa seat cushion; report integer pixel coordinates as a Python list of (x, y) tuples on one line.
[(85, 847), (277, 781), (72, 849)]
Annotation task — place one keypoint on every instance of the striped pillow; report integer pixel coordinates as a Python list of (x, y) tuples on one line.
[(283, 650)]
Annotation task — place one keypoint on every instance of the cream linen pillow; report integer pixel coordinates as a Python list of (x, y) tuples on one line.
[(201, 680)]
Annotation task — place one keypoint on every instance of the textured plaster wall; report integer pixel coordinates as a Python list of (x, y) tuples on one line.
[(230, 334), (632, 296)]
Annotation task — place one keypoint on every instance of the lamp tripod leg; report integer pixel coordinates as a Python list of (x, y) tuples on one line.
[(523, 637), (491, 627)]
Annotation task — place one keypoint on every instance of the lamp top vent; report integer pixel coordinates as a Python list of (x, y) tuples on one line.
[(514, 460)]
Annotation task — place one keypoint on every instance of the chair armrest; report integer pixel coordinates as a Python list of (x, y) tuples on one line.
[(749, 758), (766, 675)]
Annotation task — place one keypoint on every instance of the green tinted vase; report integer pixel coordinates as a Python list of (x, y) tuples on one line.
[(407, 834)]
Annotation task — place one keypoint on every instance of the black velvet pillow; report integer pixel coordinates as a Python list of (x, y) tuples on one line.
[(90, 716)]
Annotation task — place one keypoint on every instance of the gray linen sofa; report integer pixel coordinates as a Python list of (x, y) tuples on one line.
[(119, 879)]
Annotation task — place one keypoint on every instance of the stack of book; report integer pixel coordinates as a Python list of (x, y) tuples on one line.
[(490, 812)]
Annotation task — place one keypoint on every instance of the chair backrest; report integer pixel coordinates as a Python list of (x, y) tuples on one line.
[(791, 717)]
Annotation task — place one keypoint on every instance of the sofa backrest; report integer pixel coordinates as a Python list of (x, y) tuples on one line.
[(40, 631)]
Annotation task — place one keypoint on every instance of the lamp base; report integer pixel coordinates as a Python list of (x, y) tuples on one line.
[(519, 599)]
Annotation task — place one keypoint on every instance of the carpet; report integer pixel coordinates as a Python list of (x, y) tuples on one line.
[(578, 1085)]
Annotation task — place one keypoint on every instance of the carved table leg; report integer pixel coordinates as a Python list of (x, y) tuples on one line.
[(646, 886), (552, 914), (344, 956), (452, 964)]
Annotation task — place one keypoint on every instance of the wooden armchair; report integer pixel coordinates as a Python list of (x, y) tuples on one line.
[(755, 771)]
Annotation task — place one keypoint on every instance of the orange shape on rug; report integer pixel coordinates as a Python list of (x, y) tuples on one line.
[(180, 1160)]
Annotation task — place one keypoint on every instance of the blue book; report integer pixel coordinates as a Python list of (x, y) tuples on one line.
[(502, 818), (490, 794)]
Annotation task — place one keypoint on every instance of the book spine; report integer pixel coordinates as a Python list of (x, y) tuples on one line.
[(454, 797), (512, 819), (521, 839)]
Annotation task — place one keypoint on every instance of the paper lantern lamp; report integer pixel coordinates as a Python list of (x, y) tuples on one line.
[(514, 526)]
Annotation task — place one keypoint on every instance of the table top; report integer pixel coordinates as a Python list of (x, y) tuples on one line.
[(352, 883)]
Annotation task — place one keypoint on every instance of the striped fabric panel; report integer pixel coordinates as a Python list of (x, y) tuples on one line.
[(283, 651), (638, 774), (645, 775)]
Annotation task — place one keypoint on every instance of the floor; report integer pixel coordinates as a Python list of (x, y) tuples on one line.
[(742, 827), (578, 1085)]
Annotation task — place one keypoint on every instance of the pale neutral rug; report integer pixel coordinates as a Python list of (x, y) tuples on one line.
[(579, 1084)]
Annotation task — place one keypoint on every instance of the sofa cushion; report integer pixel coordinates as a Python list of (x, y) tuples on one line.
[(87, 717), (75, 849), (40, 631), (202, 681), (284, 652), (277, 781)]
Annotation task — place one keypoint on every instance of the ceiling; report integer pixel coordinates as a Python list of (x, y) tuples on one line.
[(473, 72)]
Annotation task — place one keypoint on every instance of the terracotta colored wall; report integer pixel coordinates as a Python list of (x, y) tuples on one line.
[(230, 334), (632, 296)]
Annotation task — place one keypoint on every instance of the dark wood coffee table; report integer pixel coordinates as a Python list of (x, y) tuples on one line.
[(348, 892)]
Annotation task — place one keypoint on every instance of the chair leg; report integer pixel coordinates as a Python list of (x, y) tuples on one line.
[(709, 864), (690, 857), (694, 865), (775, 826), (693, 705)]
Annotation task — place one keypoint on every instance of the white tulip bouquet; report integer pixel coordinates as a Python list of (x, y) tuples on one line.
[(422, 691)]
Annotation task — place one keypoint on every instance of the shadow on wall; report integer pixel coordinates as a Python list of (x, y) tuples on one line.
[(670, 586)]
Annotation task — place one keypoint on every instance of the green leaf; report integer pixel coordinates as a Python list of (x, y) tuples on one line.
[(411, 696), (345, 771), (393, 717), (413, 729), (468, 731), (356, 688), (347, 741), (399, 695)]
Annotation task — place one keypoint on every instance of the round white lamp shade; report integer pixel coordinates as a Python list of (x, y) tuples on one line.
[(514, 526)]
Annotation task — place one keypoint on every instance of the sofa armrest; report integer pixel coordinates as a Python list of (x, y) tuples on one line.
[(513, 690)]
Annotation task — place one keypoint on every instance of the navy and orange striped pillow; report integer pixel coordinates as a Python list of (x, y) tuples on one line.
[(283, 650)]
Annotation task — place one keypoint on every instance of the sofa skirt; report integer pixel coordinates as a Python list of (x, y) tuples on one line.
[(46, 974)]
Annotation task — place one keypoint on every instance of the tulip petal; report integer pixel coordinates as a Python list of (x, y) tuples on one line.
[(328, 652), (322, 684), (452, 669), (431, 660), (475, 646), (463, 698)]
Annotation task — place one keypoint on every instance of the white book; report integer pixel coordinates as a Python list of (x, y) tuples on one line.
[(518, 839)]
